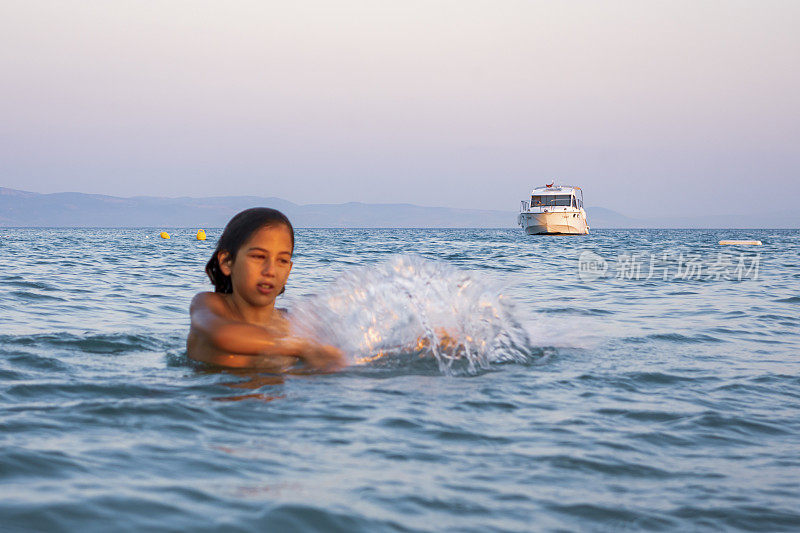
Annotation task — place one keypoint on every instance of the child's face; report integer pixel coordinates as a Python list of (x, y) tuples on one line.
[(261, 267)]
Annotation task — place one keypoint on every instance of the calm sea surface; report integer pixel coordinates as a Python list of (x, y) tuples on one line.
[(629, 379)]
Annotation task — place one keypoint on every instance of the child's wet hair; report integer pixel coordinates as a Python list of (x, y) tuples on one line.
[(240, 228)]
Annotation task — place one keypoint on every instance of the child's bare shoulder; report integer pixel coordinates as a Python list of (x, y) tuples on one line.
[(211, 301)]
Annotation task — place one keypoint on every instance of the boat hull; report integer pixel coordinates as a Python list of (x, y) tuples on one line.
[(558, 223)]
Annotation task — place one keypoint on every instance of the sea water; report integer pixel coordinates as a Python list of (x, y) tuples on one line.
[(629, 379)]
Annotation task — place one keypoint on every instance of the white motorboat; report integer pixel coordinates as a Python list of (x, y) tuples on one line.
[(553, 210)]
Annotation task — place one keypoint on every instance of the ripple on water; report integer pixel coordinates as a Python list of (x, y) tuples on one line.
[(26, 362), (609, 466), (20, 282), (296, 517), (22, 462), (29, 296), (114, 343), (738, 425), (613, 517), (642, 416), (738, 516), (677, 338)]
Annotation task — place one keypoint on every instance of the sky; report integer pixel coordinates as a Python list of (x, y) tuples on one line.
[(653, 107)]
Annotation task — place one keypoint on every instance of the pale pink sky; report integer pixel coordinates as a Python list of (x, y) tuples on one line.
[(652, 107)]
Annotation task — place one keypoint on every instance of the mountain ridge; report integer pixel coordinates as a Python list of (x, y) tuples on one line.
[(20, 208)]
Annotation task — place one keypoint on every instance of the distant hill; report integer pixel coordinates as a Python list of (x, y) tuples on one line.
[(72, 209), (600, 217), (21, 208)]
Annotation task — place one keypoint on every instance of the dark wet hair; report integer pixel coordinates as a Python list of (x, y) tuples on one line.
[(240, 228)]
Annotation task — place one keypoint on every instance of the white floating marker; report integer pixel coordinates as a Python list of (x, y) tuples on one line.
[(749, 243)]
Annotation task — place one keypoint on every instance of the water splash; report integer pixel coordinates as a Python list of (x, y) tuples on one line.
[(408, 309)]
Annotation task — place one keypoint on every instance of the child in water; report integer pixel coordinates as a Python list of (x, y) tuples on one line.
[(238, 325)]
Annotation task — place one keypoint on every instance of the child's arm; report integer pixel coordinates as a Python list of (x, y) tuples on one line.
[(218, 338)]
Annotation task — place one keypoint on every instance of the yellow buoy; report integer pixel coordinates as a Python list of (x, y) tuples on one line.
[(164, 235), (751, 243), (201, 235)]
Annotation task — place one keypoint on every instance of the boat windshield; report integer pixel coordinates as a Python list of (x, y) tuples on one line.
[(551, 200)]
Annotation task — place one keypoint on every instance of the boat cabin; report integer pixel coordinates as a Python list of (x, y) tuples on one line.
[(556, 197), (553, 200)]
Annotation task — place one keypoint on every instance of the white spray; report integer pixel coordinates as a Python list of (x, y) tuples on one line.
[(412, 308)]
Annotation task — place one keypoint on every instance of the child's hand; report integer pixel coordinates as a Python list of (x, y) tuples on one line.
[(323, 357)]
